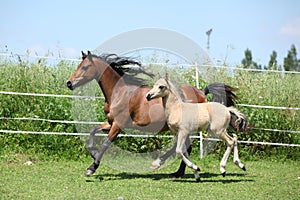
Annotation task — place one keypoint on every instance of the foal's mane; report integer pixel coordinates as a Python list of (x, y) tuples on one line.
[(175, 89), (129, 74)]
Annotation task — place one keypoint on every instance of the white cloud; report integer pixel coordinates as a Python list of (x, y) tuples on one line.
[(291, 28)]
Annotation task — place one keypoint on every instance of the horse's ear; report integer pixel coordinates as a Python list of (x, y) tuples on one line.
[(89, 55), (83, 55)]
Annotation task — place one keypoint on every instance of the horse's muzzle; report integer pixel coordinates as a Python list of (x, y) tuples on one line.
[(70, 85)]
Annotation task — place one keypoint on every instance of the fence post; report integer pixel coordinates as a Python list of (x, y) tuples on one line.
[(201, 144), (197, 75)]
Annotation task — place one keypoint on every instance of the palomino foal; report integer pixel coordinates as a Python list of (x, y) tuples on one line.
[(185, 118)]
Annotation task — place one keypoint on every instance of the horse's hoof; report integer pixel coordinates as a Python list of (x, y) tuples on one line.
[(89, 172), (224, 174), (198, 180), (244, 168)]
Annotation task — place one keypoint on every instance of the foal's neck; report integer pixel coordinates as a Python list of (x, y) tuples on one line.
[(171, 102)]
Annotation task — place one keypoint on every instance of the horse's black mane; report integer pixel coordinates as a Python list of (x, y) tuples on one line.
[(129, 74)]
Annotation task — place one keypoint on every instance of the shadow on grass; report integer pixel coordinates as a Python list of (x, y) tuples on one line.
[(205, 177)]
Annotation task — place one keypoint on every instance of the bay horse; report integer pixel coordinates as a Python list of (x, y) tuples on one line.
[(125, 104), (211, 116)]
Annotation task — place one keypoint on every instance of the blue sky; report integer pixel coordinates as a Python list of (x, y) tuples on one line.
[(72, 26)]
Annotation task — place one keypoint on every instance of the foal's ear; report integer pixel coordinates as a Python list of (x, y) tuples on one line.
[(159, 76), (167, 77), (83, 55)]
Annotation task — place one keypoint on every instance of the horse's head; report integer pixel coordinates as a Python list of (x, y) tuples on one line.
[(85, 72), (160, 89)]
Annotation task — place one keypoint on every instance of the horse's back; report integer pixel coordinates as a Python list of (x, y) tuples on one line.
[(193, 95)]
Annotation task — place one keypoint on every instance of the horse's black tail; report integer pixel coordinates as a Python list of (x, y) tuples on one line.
[(222, 93), (238, 120)]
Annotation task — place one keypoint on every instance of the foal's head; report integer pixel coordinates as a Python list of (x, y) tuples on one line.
[(86, 71), (160, 89)]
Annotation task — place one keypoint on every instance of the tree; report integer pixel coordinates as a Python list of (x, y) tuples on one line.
[(272, 65), (247, 62), (291, 63)]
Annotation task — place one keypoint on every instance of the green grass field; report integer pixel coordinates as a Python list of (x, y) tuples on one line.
[(264, 179)]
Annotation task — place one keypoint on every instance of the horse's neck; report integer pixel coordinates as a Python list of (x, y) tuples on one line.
[(171, 102), (107, 82)]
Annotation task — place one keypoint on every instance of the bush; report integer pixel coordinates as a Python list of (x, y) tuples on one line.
[(38, 77)]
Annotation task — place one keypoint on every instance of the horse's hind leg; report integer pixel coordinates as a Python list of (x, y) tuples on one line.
[(181, 170), (236, 159)]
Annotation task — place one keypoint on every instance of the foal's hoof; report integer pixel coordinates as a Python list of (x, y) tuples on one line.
[(244, 168), (89, 172), (224, 174), (198, 180)]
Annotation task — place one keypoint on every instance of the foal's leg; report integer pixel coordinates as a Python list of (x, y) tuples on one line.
[(182, 137), (230, 143), (236, 159), (181, 170), (191, 165), (224, 160)]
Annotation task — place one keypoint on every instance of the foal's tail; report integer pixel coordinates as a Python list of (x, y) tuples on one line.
[(238, 121)]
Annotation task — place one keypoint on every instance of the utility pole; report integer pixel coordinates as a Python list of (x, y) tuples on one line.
[(208, 37)]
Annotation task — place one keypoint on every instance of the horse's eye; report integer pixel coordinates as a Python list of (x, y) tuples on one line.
[(161, 87), (84, 68)]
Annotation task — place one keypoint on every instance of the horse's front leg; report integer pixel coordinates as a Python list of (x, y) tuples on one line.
[(91, 148), (113, 133)]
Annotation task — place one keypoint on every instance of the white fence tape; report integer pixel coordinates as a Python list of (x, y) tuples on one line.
[(50, 95), (144, 136), (97, 123), (101, 97)]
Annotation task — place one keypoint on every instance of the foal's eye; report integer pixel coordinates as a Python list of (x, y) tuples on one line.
[(84, 68), (161, 87)]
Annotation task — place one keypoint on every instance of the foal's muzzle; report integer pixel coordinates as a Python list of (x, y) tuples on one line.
[(148, 97)]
